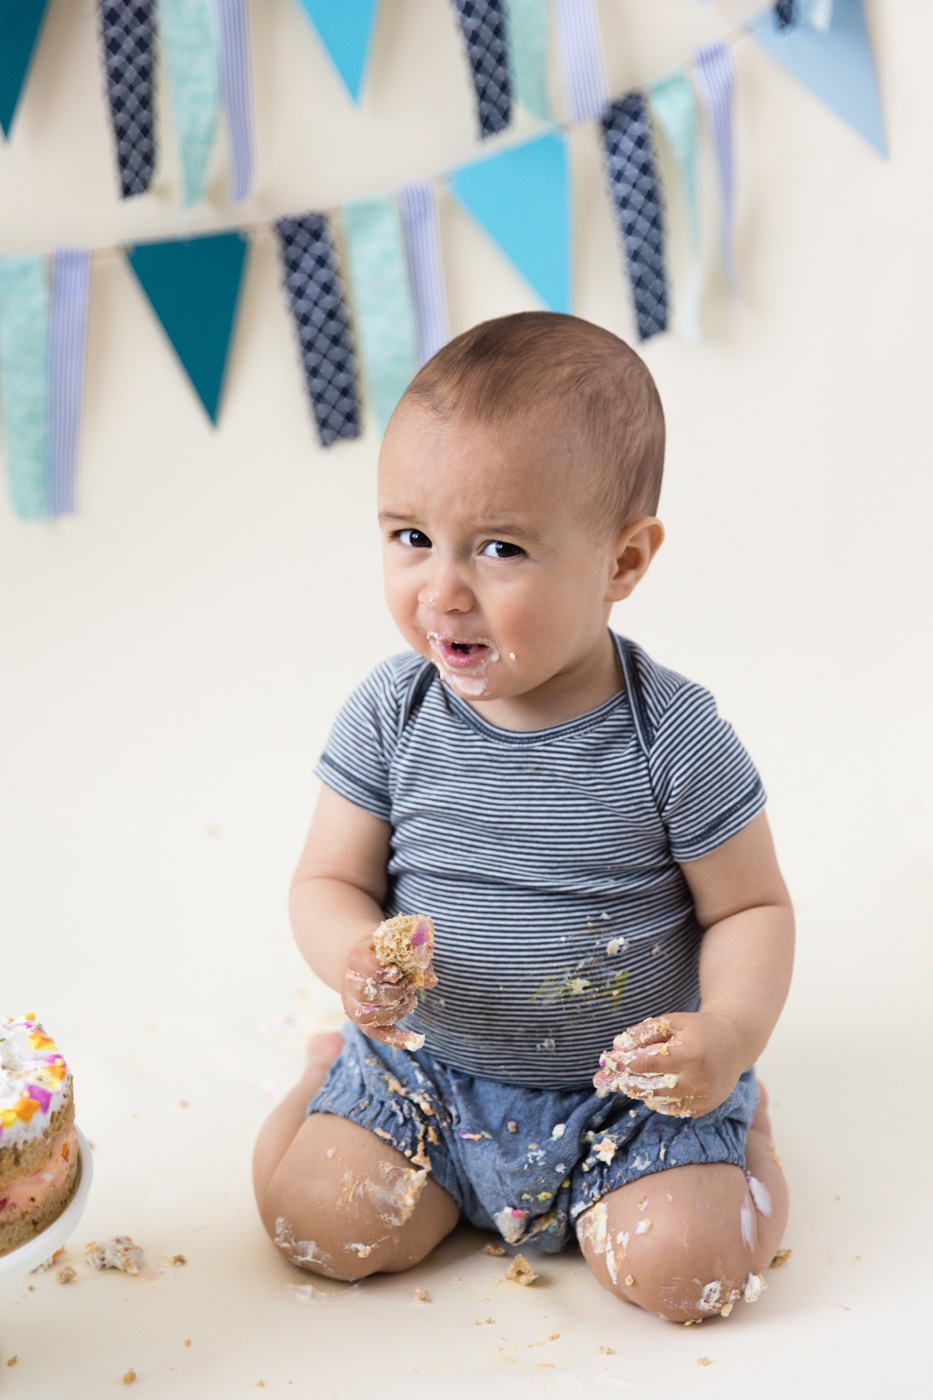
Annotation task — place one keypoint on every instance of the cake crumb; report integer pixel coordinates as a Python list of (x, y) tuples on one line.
[(607, 1351), (780, 1258), (420, 1296), (512, 1125), (497, 1250), (178, 1260), (629, 1280), (66, 1274), (12, 1360), (520, 1271), (704, 1361), (187, 1341), (129, 1376), (483, 1321), (117, 1253), (49, 1263)]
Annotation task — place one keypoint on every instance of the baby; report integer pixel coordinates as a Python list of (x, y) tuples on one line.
[(613, 935)]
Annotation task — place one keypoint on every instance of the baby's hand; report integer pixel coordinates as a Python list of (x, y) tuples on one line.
[(375, 997), (684, 1065)]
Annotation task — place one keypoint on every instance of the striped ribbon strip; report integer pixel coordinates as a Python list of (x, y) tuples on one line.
[(580, 55), (482, 24), (418, 205), (71, 275), (236, 86), (715, 74), (128, 39), (673, 107), (385, 318), (315, 293), (636, 194), (188, 31), (24, 382), (528, 44)]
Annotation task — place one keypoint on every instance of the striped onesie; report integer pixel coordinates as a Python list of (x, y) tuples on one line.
[(548, 860)]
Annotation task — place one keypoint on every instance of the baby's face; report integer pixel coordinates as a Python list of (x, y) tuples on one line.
[(492, 570)]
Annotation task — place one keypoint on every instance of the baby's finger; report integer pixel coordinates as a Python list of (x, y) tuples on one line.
[(369, 989), (394, 1035), (653, 1031)]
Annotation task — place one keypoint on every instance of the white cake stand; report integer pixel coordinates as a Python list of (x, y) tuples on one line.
[(35, 1251)]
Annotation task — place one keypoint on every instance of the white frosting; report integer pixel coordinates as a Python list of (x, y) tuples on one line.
[(34, 1079)]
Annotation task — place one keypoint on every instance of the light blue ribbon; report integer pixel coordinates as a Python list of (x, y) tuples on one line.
[(528, 25), (189, 36), (380, 298), (24, 381), (673, 107)]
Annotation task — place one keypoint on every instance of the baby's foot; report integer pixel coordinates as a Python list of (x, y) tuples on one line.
[(323, 1049)]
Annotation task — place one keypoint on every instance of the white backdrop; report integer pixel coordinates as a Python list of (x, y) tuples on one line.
[(172, 656)]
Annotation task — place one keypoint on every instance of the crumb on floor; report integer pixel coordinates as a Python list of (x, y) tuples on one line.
[(780, 1258), (66, 1274), (520, 1271), (187, 1341), (497, 1250), (420, 1296), (12, 1360), (704, 1361), (178, 1260), (607, 1351), (129, 1376), (117, 1253)]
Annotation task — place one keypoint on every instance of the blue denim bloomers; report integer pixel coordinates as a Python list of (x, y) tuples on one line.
[(521, 1161)]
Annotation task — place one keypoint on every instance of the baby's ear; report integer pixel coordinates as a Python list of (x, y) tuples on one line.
[(634, 550)]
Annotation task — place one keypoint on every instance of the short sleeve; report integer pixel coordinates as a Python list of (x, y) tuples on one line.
[(705, 784), (356, 758)]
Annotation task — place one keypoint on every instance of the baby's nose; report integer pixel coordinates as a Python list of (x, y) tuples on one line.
[(446, 591)]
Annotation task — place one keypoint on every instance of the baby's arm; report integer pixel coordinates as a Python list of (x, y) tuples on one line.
[(685, 1063), (336, 904)]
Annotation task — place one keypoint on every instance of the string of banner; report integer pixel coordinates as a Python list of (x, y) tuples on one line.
[(389, 314)]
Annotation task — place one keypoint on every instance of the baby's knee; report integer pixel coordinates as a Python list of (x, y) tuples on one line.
[(680, 1274)]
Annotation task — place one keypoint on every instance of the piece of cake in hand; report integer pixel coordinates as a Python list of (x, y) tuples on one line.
[(38, 1144), (406, 944)]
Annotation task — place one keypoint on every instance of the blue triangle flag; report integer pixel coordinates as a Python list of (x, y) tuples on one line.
[(836, 64), (520, 197), (194, 285), (346, 31), (20, 22)]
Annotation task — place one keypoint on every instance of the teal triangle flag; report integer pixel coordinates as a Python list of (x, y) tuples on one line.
[(194, 285), (521, 198), (836, 64), (20, 22), (346, 31)]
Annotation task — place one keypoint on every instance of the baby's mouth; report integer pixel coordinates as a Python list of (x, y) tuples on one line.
[(462, 655)]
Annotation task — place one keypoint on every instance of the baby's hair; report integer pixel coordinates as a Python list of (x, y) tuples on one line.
[(597, 389)]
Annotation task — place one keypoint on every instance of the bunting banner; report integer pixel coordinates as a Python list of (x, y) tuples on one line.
[(715, 75), (418, 206), (193, 285), (636, 194), (832, 56), (346, 31), (528, 45), (237, 90), (128, 39), (521, 198), (580, 54), (315, 295), (20, 25), (673, 107), (482, 25), (24, 376), (188, 32), (385, 318), (68, 312)]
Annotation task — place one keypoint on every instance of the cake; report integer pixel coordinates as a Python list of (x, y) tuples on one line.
[(38, 1144), (407, 943)]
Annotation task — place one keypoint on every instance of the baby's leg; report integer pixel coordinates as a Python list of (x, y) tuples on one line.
[(335, 1198), (691, 1241)]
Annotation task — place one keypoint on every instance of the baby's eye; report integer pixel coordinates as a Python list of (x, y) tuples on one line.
[(413, 539), (501, 549)]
